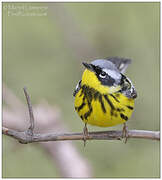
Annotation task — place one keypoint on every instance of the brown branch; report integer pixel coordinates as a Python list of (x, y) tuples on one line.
[(48, 119), (29, 137), (101, 135), (31, 127)]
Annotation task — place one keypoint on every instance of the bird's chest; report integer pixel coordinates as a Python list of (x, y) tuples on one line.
[(103, 109)]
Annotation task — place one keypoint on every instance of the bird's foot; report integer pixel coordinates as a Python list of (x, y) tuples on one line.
[(85, 134), (125, 133)]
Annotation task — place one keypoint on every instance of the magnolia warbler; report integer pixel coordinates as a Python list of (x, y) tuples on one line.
[(105, 96)]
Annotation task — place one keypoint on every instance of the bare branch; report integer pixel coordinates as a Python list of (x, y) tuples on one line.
[(28, 136), (48, 119), (31, 127), (101, 135)]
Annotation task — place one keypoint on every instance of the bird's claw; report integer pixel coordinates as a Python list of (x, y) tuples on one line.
[(85, 134), (125, 133)]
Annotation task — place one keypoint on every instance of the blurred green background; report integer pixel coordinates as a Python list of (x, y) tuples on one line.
[(45, 51)]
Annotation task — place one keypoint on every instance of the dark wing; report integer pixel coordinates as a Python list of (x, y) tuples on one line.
[(127, 87), (78, 86), (120, 63)]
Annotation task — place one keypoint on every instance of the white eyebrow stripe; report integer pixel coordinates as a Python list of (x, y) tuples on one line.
[(113, 74)]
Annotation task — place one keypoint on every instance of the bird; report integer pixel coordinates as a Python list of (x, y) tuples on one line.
[(104, 96)]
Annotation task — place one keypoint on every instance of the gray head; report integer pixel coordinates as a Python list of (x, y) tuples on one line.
[(116, 63), (110, 71)]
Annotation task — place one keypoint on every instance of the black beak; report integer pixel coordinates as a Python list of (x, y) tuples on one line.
[(88, 66)]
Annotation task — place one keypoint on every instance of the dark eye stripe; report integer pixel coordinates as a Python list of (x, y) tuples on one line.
[(103, 73), (107, 81)]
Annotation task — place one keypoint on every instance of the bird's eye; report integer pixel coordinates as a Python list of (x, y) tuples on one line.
[(102, 74)]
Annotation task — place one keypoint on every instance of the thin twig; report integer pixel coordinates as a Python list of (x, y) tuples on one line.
[(101, 135), (29, 137), (48, 119), (31, 127)]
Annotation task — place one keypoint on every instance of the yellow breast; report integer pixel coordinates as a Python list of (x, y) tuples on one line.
[(104, 111), (101, 105)]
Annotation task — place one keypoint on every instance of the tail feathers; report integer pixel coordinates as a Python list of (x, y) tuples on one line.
[(120, 63)]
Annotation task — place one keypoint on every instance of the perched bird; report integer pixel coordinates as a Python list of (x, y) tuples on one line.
[(105, 96)]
